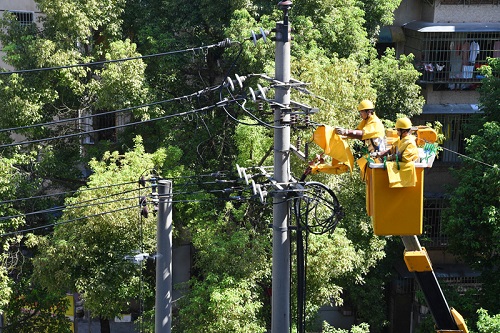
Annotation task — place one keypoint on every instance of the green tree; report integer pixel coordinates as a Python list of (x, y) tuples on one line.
[(363, 328), (395, 82), (489, 89), (474, 205), (337, 26), (88, 253), (72, 33), (472, 222), (331, 50), (25, 306), (33, 309), (378, 14), (487, 323)]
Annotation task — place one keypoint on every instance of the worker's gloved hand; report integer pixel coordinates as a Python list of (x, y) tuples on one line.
[(375, 154), (340, 131), (314, 169)]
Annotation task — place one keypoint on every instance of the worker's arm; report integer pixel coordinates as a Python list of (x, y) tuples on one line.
[(350, 133), (390, 154)]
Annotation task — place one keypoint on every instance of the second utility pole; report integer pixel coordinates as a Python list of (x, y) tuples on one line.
[(280, 310), (163, 299)]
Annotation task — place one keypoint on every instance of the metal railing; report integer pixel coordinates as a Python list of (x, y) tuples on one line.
[(452, 59)]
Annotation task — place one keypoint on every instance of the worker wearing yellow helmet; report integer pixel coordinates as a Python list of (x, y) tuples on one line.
[(370, 130), (405, 149)]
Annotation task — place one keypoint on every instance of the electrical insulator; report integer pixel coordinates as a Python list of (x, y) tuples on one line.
[(298, 143), (143, 203), (154, 194), (262, 91), (240, 79), (252, 94), (307, 119), (229, 83), (261, 106), (142, 181)]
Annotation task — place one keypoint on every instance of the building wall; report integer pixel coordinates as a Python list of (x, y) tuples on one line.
[(450, 96), (444, 104), (408, 10), (466, 13), (17, 5)]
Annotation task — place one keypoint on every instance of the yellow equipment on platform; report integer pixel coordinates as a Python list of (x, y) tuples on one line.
[(387, 205), (394, 190)]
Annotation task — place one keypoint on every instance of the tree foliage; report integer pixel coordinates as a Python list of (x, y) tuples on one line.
[(472, 222), (394, 80), (34, 309), (487, 323), (331, 50), (88, 252)]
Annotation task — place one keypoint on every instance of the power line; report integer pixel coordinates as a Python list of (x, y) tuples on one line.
[(83, 189), (88, 203), (78, 205), (470, 158), (97, 63), (206, 108), (55, 122), (241, 198), (64, 193), (65, 222)]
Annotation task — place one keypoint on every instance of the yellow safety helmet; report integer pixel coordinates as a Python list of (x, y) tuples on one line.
[(365, 105), (403, 123)]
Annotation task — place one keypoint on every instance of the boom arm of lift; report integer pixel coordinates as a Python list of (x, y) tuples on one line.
[(447, 319)]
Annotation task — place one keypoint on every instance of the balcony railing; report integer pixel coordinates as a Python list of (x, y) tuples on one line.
[(452, 59)]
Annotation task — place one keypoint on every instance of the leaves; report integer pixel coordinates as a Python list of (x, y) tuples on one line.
[(88, 255)]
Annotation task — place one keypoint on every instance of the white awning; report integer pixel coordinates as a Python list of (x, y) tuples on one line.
[(450, 108), (422, 26)]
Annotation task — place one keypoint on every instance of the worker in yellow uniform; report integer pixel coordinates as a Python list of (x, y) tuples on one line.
[(370, 130), (405, 149)]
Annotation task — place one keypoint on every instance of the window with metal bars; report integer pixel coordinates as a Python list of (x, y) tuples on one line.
[(24, 17), (462, 284), (450, 60), (404, 285), (433, 236), (107, 123), (453, 130)]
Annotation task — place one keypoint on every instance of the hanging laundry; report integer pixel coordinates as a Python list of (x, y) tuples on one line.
[(455, 60), (496, 49), (474, 51), (464, 51)]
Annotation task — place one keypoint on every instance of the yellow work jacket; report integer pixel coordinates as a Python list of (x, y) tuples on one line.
[(373, 133), (407, 148)]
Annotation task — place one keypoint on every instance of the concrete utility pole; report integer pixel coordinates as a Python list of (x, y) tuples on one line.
[(163, 300), (280, 311)]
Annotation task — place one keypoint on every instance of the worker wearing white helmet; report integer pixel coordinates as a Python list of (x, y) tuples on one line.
[(370, 130)]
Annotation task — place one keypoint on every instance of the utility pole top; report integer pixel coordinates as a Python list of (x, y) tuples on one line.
[(285, 5)]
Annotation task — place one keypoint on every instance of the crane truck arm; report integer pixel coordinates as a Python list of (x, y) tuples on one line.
[(446, 319)]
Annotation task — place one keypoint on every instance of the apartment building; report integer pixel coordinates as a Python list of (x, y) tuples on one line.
[(450, 40), (26, 12)]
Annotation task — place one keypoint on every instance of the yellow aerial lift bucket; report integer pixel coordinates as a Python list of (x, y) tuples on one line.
[(394, 211)]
